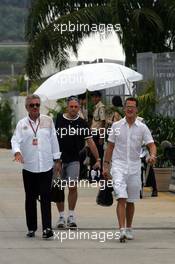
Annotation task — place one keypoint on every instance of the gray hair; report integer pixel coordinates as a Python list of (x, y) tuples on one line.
[(30, 97)]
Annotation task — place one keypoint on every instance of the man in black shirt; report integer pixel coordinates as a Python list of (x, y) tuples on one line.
[(72, 132)]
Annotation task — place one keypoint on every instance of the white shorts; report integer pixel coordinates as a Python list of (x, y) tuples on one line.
[(126, 185)]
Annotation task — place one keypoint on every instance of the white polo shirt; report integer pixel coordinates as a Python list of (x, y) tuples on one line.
[(37, 158), (128, 142)]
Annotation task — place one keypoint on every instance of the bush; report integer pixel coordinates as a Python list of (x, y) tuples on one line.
[(5, 123), (162, 128)]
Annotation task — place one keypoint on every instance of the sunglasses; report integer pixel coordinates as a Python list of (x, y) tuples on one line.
[(34, 105), (71, 98), (131, 107)]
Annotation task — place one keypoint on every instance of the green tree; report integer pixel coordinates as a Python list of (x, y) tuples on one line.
[(15, 55), (6, 116), (13, 14), (48, 43), (18, 3), (147, 99), (145, 25)]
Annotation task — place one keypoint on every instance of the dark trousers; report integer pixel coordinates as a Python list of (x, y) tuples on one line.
[(37, 184), (151, 180)]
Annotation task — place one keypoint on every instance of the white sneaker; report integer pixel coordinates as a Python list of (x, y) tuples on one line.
[(129, 234), (61, 222), (71, 222), (122, 236)]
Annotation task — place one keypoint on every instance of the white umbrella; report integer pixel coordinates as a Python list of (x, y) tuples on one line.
[(92, 77)]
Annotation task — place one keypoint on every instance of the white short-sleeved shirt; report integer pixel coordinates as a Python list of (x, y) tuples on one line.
[(128, 142), (37, 158)]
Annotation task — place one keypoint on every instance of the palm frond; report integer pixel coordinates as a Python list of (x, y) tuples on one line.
[(45, 12), (57, 43), (147, 99), (148, 17)]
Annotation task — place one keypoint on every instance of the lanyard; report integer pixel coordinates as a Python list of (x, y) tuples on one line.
[(34, 131)]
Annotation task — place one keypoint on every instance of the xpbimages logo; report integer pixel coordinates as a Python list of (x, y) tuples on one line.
[(81, 131), (101, 236), (84, 183), (78, 27)]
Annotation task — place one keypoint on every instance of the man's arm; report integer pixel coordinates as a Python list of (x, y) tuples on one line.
[(153, 152), (15, 142), (102, 116), (54, 143), (107, 159), (56, 151), (94, 151)]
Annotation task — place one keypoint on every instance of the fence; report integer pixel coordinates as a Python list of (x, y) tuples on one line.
[(161, 68)]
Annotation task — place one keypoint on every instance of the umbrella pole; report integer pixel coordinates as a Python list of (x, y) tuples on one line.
[(126, 82)]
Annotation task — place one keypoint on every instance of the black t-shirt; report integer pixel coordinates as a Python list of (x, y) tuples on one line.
[(71, 134)]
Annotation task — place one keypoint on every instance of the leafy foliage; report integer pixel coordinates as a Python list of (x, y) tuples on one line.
[(6, 86), (16, 55), (163, 128), (12, 21), (142, 26), (147, 99), (146, 26), (5, 123), (19, 84), (46, 43), (17, 3), (59, 108)]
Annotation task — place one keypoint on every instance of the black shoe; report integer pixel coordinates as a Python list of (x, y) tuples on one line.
[(31, 234), (154, 193), (141, 195), (47, 233)]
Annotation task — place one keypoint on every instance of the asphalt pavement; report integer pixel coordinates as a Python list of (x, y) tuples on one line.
[(96, 240)]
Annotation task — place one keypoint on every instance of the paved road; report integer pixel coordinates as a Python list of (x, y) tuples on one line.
[(154, 228)]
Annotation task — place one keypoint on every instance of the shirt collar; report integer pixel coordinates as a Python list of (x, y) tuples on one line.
[(71, 119), (136, 122), (37, 120)]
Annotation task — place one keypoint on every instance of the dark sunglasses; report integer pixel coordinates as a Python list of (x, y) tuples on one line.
[(71, 98), (33, 105)]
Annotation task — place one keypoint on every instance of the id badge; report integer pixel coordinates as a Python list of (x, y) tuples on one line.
[(35, 141)]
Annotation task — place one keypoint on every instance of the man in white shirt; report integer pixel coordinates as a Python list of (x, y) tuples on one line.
[(124, 146), (35, 145)]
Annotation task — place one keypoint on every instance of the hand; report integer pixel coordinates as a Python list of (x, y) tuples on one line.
[(57, 168), (97, 165), (18, 157), (106, 173), (151, 159)]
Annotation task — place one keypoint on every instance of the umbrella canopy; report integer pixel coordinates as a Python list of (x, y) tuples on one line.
[(92, 77)]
